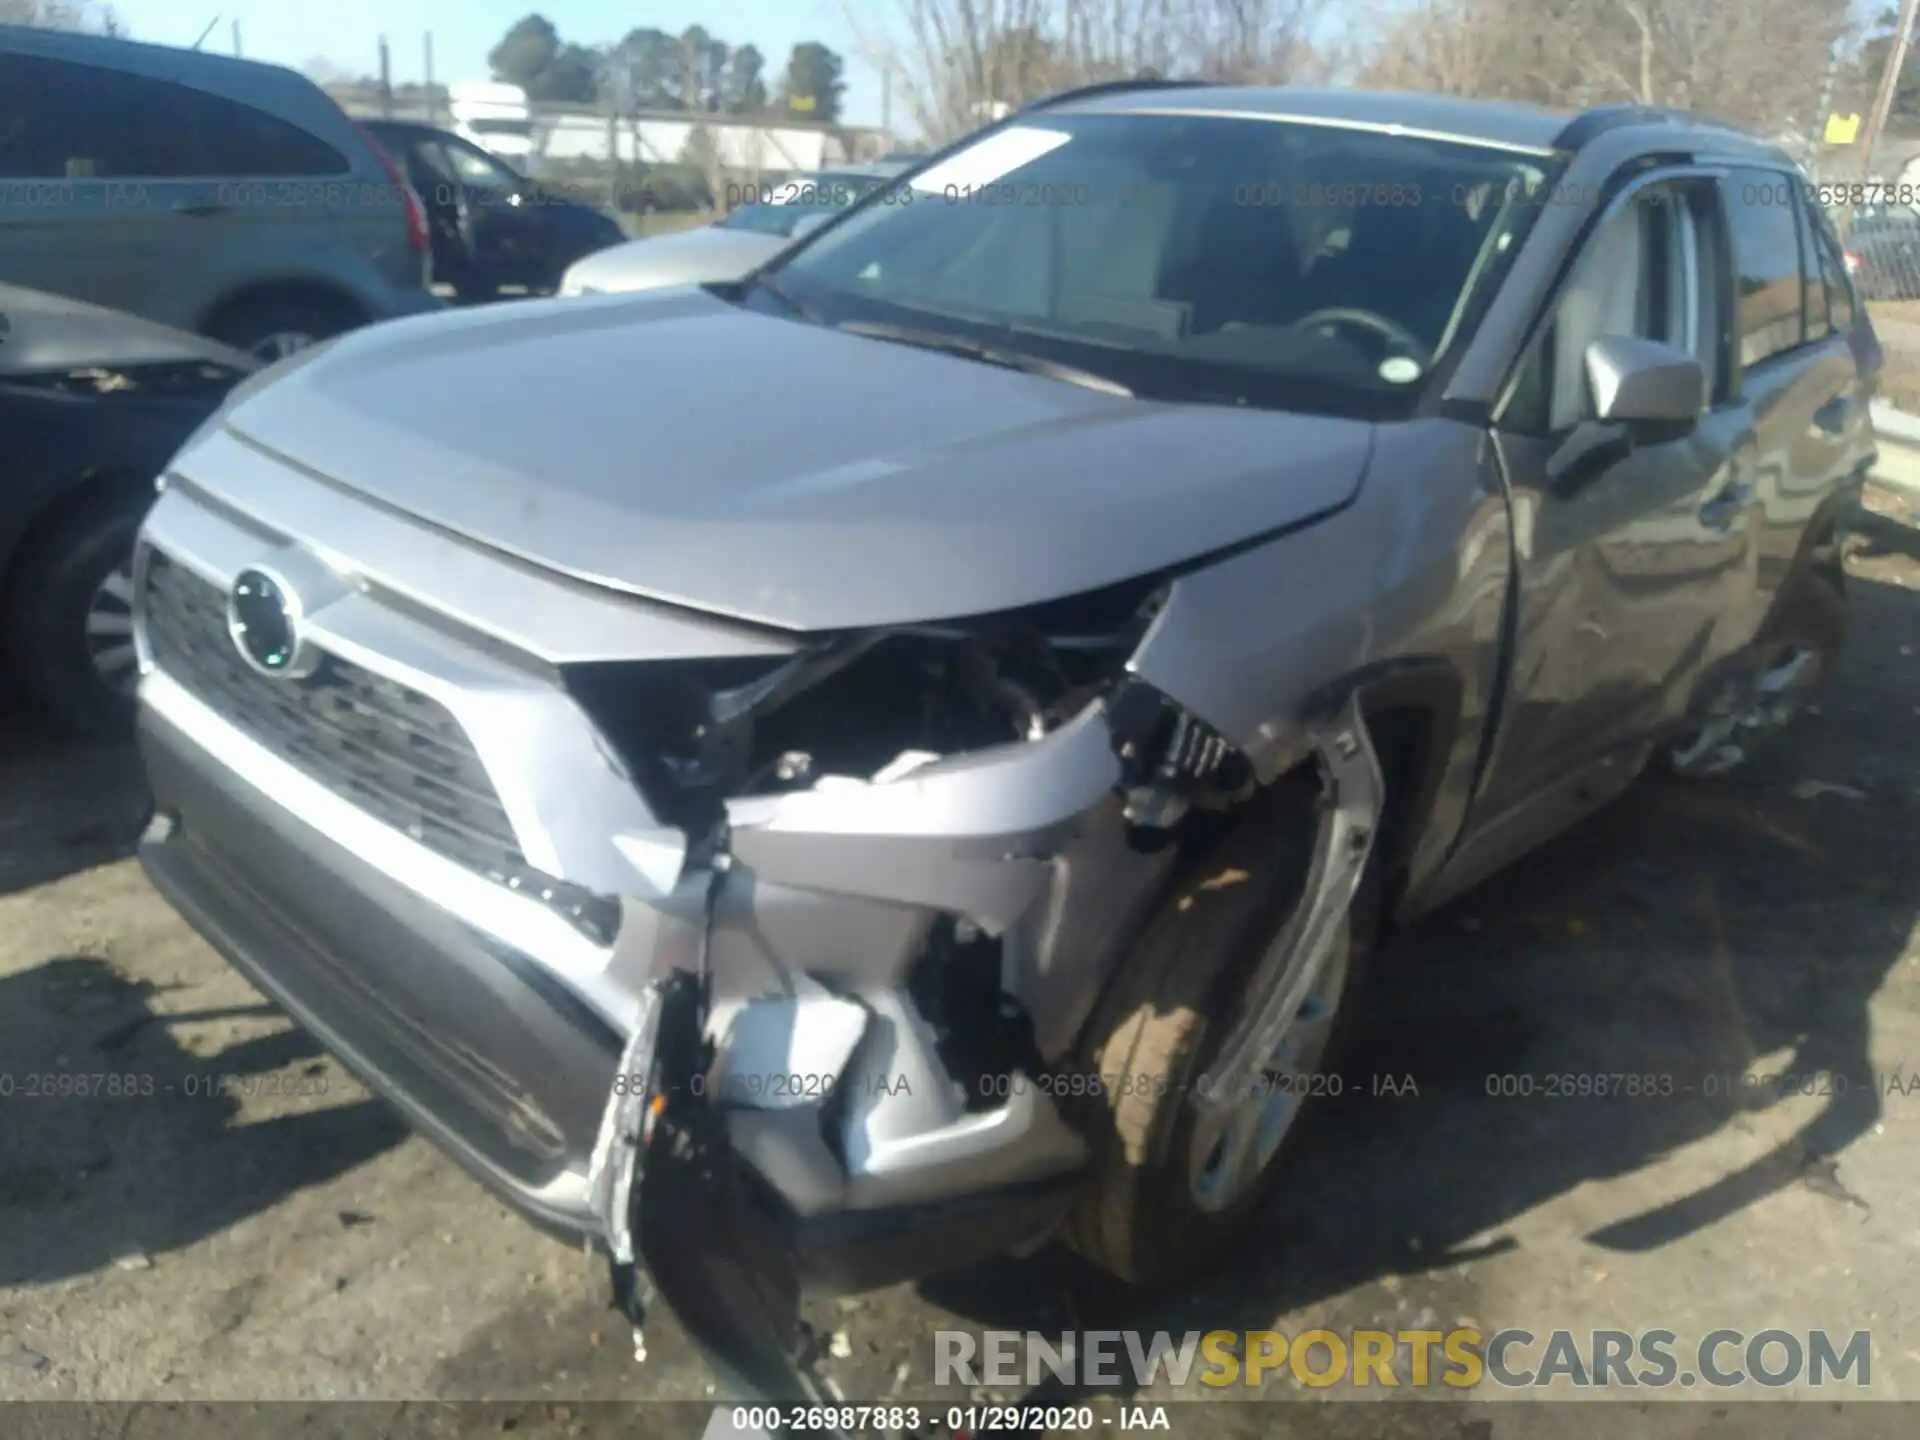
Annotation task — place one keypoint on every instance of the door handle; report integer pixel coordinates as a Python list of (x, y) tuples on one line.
[(200, 209), (1832, 417)]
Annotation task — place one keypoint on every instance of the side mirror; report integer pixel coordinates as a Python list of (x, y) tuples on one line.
[(1645, 385)]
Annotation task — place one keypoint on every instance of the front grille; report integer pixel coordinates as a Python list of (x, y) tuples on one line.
[(397, 754)]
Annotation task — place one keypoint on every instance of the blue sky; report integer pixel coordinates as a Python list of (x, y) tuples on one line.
[(347, 32)]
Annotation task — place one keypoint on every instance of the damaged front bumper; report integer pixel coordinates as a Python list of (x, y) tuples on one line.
[(822, 1038), (802, 1050), (782, 1026)]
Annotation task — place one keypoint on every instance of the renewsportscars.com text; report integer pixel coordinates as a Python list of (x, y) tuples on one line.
[(1461, 1358)]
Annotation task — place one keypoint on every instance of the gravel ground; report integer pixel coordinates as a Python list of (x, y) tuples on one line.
[(251, 1225)]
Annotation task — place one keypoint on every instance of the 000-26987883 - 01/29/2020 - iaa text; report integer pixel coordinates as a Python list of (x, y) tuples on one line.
[(802, 1086)]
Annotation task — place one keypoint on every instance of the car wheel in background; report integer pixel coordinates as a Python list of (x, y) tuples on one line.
[(71, 610), (272, 327)]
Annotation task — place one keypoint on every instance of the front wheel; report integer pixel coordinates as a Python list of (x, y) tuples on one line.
[(1176, 1178)]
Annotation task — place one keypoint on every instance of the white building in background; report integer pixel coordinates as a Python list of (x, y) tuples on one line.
[(495, 116), (501, 119), (663, 140)]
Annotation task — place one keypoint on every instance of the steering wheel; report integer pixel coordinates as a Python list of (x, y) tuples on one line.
[(1370, 320)]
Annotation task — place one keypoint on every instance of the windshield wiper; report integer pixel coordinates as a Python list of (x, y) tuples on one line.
[(787, 298), (986, 354)]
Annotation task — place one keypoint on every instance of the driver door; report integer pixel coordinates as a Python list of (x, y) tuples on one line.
[(1632, 556)]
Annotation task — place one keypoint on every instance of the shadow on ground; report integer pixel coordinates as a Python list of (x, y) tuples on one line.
[(118, 1142), (63, 806)]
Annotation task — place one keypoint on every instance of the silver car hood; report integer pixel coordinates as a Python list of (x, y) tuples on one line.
[(674, 446), (686, 257)]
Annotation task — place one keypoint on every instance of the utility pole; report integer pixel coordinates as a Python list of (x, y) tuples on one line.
[(426, 69), (238, 52), (886, 109), (386, 80), (1883, 99)]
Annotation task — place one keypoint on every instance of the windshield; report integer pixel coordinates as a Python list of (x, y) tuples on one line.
[(1222, 258), (786, 205)]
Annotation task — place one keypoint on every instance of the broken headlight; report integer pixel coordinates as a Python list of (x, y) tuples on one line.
[(693, 734)]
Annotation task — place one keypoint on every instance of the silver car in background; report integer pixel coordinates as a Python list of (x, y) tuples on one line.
[(218, 196), (748, 235)]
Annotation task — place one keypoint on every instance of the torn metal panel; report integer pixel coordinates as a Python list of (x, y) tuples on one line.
[(767, 938), (1414, 569), (1250, 683), (786, 1051), (918, 1140), (968, 836), (1062, 953)]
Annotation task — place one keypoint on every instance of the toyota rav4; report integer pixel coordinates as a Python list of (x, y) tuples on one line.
[(823, 778)]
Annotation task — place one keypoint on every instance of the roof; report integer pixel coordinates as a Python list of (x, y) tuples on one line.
[(1497, 122), (140, 56), (1503, 123)]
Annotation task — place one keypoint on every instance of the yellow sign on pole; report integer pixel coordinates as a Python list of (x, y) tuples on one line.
[(804, 102), (1842, 129)]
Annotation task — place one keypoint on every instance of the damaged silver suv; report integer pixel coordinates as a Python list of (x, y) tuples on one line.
[(821, 779)]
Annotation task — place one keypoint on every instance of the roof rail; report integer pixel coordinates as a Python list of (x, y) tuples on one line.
[(1146, 81), (1589, 125)]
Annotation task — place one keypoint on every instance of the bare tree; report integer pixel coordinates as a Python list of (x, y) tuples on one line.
[(1451, 47), (703, 148), (1756, 61), (956, 63), (60, 15)]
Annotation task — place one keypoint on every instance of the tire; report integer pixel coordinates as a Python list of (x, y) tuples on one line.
[(273, 326), (53, 601), (1810, 620), (1162, 1022)]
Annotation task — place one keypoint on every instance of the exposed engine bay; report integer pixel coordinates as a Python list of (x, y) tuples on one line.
[(694, 1147), (876, 705)]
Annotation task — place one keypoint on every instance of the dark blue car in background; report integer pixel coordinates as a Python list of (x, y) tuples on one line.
[(491, 227)]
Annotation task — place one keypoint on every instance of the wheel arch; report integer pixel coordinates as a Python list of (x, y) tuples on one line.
[(325, 289), (1413, 714)]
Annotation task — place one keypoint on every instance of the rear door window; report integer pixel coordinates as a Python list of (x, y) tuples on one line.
[(1813, 285), (63, 120), (1832, 257), (1762, 211)]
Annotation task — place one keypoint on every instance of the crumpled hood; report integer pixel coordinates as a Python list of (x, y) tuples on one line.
[(677, 447)]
